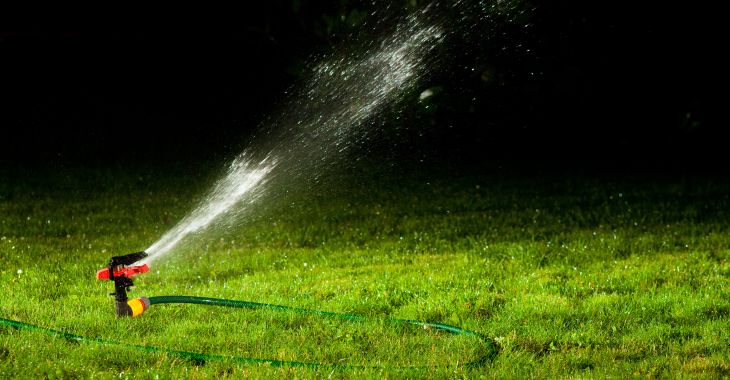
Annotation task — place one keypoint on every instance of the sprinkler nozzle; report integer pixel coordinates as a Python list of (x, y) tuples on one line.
[(120, 271)]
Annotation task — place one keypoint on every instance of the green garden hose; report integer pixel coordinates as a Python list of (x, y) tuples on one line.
[(490, 346)]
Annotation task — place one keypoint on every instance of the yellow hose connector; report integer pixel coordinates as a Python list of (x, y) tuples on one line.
[(138, 305)]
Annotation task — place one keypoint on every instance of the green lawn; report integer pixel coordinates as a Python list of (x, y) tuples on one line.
[(572, 276)]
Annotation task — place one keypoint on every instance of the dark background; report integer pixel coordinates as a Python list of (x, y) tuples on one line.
[(571, 83)]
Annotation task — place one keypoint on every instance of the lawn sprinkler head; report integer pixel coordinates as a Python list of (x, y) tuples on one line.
[(120, 270)]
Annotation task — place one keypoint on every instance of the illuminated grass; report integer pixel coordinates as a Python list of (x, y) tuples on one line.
[(573, 277)]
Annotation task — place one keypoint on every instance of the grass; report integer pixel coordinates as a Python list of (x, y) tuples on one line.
[(573, 277)]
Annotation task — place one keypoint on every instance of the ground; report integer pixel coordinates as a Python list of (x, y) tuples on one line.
[(571, 275)]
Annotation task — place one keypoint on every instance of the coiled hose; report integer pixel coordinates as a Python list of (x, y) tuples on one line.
[(490, 346)]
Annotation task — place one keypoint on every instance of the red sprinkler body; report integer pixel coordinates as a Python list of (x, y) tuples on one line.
[(103, 274), (120, 270)]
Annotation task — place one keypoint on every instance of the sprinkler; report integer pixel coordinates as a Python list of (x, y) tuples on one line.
[(120, 270)]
